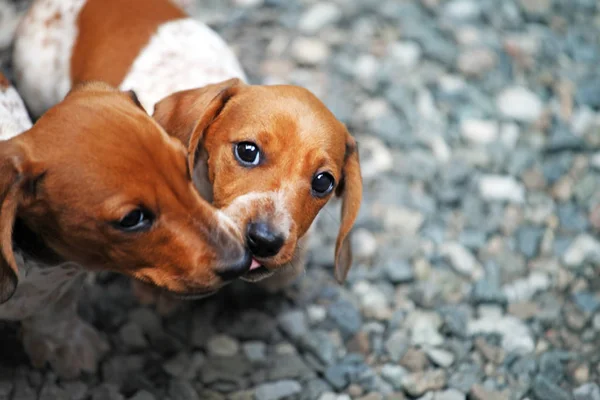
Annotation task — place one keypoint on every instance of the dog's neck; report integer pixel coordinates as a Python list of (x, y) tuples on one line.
[(32, 246)]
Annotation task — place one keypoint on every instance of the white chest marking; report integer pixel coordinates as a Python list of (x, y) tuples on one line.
[(182, 54), (13, 115), (43, 47), (39, 286)]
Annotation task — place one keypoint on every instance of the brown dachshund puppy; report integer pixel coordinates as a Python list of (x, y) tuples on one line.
[(270, 156), (96, 184)]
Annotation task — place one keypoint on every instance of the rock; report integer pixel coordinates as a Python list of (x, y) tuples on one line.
[(394, 375), (584, 249), (464, 377), (277, 390), (374, 303), (397, 345), (346, 316), (588, 93), (182, 390), (441, 358), (143, 395), (319, 16), (479, 131), (419, 383), (403, 220), (364, 244), (399, 272), (479, 392), (544, 388), (536, 8), (588, 391), (424, 329), (309, 51), (501, 188), (587, 302), (255, 352), (414, 360), (462, 260), (132, 336), (182, 366), (76, 390), (516, 336), (319, 344), (524, 289), (476, 62), (449, 394), (293, 324), (375, 158), (520, 104), (462, 10), (405, 54), (529, 239), (107, 391), (222, 345), (316, 314)]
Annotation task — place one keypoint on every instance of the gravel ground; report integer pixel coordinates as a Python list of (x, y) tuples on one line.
[(477, 248)]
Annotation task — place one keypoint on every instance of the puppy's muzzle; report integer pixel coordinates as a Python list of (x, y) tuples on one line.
[(237, 268), (263, 241)]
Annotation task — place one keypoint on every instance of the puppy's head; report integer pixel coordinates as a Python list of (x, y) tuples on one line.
[(99, 183), (271, 157)]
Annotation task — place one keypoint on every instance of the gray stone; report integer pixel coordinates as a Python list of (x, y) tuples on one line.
[(520, 104), (449, 394), (462, 260), (277, 390), (222, 345), (107, 391), (319, 16), (529, 239), (589, 93), (319, 344), (544, 388), (584, 249), (143, 395), (419, 383), (132, 336), (309, 51), (440, 357), (394, 375), (464, 377), (75, 389), (501, 188), (399, 272), (293, 324), (587, 302), (397, 345), (256, 352), (182, 390), (346, 316), (587, 391)]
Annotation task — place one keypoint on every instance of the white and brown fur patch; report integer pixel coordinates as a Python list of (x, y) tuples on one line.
[(13, 115), (181, 54)]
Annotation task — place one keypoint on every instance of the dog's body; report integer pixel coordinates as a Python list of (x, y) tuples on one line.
[(80, 190), (154, 48), (89, 40)]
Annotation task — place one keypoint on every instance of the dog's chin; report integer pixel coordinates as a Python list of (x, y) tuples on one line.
[(257, 272), (189, 295)]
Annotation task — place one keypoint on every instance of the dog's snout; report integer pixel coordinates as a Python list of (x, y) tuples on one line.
[(237, 268), (262, 241)]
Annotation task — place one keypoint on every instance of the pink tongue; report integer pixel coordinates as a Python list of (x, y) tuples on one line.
[(254, 265)]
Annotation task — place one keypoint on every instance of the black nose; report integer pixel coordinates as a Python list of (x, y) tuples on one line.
[(237, 269), (262, 241)]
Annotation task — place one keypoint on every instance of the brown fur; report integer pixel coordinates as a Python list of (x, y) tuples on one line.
[(83, 166), (108, 45), (298, 136)]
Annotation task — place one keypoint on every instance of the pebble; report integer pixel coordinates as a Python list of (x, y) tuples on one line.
[(544, 388), (222, 345), (584, 248), (346, 316), (516, 336), (397, 345), (441, 358), (462, 10), (277, 390), (424, 329), (319, 16), (417, 384), (587, 391), (479, 392), (143, 395), (255, 352), (449, 394), (399, 272), (476, 62), (309, 51), (133, 336), (520, 104), (405, 54), (293, 324), (375, 157), (414, 360), (479, 131), (501, 188), (364, 244), (394, 375), (462, 260)]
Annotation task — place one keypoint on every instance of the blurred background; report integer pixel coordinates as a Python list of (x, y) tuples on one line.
[(477, 248)]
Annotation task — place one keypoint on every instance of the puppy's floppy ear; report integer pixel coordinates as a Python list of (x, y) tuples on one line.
[(12, 165), (186, 115), (350, 189), (133, 96)]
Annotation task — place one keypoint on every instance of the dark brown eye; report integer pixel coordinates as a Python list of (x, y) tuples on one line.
[(135, 221), (247, 153), (322, 184)]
